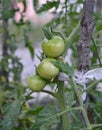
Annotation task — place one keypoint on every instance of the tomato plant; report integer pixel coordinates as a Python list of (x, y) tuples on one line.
[(36, 83), (17, 109), (47, 70), (53, 47)]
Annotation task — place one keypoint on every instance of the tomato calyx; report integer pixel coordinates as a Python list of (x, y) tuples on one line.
[(47, 32)]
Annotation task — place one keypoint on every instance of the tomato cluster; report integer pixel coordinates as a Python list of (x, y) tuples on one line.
[(52, 48)]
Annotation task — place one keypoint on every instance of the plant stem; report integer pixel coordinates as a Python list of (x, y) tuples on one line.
[(63, 112), (94, 43), (93, 85), (68, 110), (71, 37), (96, 125), (62, 104), (79, 96), (49, 92)]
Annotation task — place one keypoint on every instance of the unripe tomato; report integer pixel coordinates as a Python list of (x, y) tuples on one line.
[(53, 47), (36, 83), (47, 70)]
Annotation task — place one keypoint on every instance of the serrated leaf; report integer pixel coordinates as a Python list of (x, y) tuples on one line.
[(75, 115), (44, 128), (70, 98), (35, 111), (97, 95), (60, 126), (47, 115), (64, 67), (35, 127), (46, 118), (12, 110), (78, 125), (97, 109), (48, 5)]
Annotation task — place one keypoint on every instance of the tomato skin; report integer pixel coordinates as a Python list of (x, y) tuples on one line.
[(53, 47), (36, 83), (47, 70)]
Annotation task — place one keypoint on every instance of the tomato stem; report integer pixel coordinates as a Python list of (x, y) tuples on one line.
[(96, 125), (50, 93), (62, 104), (69, 40), (84, 112)]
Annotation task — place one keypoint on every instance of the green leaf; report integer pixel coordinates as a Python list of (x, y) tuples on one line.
[(35, 111), (1, 96), (31, 49), (7, 11), (43, 127), (35, 3), (59, 125), (70, 98), (48, 5), (75, 115), (47, 32), (78, 125), (28, 43), (99, 27), (64, 67), (11, 112), (47, 117), (97, 95), (97, 111)]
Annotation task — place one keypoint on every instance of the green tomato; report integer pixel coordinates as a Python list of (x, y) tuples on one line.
[(36, 83), (47, 70), (53, 47)]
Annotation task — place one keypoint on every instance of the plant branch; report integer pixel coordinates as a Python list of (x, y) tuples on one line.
[(63, 112), (96, 125), (94, 43), (69, 40), (79, 96), (49, 92), (62, 104), (91, 86)]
